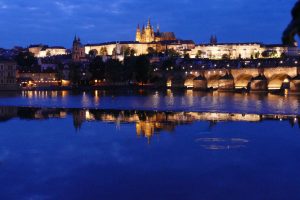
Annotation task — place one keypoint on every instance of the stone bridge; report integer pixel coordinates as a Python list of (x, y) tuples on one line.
[(255, 79)]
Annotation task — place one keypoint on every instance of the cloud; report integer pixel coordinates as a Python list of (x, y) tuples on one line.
[(88, 26), (3, 5), (66, 8)]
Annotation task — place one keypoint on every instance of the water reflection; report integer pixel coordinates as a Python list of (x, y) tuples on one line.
[(147, 123), (222, 143), (159, 100)]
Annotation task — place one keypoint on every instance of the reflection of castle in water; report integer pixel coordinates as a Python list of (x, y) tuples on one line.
[(147, 123)]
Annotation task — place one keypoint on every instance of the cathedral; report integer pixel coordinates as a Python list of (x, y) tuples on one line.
[(147, 34)]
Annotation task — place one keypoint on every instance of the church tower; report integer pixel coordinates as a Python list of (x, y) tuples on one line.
[(138, 37), (77, 50), (213, 40), (149, 33)]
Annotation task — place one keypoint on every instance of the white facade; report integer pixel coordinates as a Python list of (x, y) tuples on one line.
[(53, 51), (236, 50)]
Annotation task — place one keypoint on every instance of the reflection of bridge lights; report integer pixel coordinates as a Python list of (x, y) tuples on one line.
[(186, 72)]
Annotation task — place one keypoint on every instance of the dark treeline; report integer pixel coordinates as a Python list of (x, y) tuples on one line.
[(131, 70)]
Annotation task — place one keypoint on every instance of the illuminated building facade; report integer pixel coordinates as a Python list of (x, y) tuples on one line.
[(42, 51), (219, 51)]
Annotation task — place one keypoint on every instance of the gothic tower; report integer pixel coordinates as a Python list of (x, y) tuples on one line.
[(213, 40), (149, 33), (138, 37), (77, 50)]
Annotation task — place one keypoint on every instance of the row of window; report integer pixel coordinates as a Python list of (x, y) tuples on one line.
[(8, 74), (9, 67), (7, 81)]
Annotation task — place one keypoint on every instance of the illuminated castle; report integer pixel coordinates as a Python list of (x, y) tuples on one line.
[(147, 34)]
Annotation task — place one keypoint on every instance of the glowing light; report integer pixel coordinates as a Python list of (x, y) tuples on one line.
[(169, 83)]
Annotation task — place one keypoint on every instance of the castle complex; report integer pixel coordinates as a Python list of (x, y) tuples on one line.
[(147, 38)]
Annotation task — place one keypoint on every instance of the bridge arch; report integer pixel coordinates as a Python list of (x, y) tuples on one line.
[(213, 81), (243, 81), (189, 81), (279, 81)]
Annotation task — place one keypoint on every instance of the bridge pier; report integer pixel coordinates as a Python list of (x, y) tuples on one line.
[(226, 83), (200, 83), (259, 84), (295, 84)]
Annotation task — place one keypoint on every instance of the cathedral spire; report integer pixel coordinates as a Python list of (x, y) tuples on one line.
[(75, 38), (149, 23)]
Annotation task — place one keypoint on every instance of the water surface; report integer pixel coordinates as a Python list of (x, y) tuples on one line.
[(107, 145)]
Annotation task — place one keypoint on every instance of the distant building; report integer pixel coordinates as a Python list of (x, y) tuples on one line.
[(8, 71), (38, 79), (42, 51), (219, 51)]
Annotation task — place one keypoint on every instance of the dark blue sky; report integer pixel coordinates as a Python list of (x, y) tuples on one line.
[(55, 22)]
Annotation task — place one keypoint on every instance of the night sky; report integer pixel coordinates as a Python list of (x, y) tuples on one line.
[(55, 22)]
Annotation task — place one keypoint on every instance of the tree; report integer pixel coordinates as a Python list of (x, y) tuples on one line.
[(75, 73), (225, 57), (48, 54), (199, 54), (126, 51), (132, 52), (142, 69), (93, 53), (97, 68), (186, 56), (113, 70), (151, 51), (103, 51), (173, 53), (167, 64), (25, 59)]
